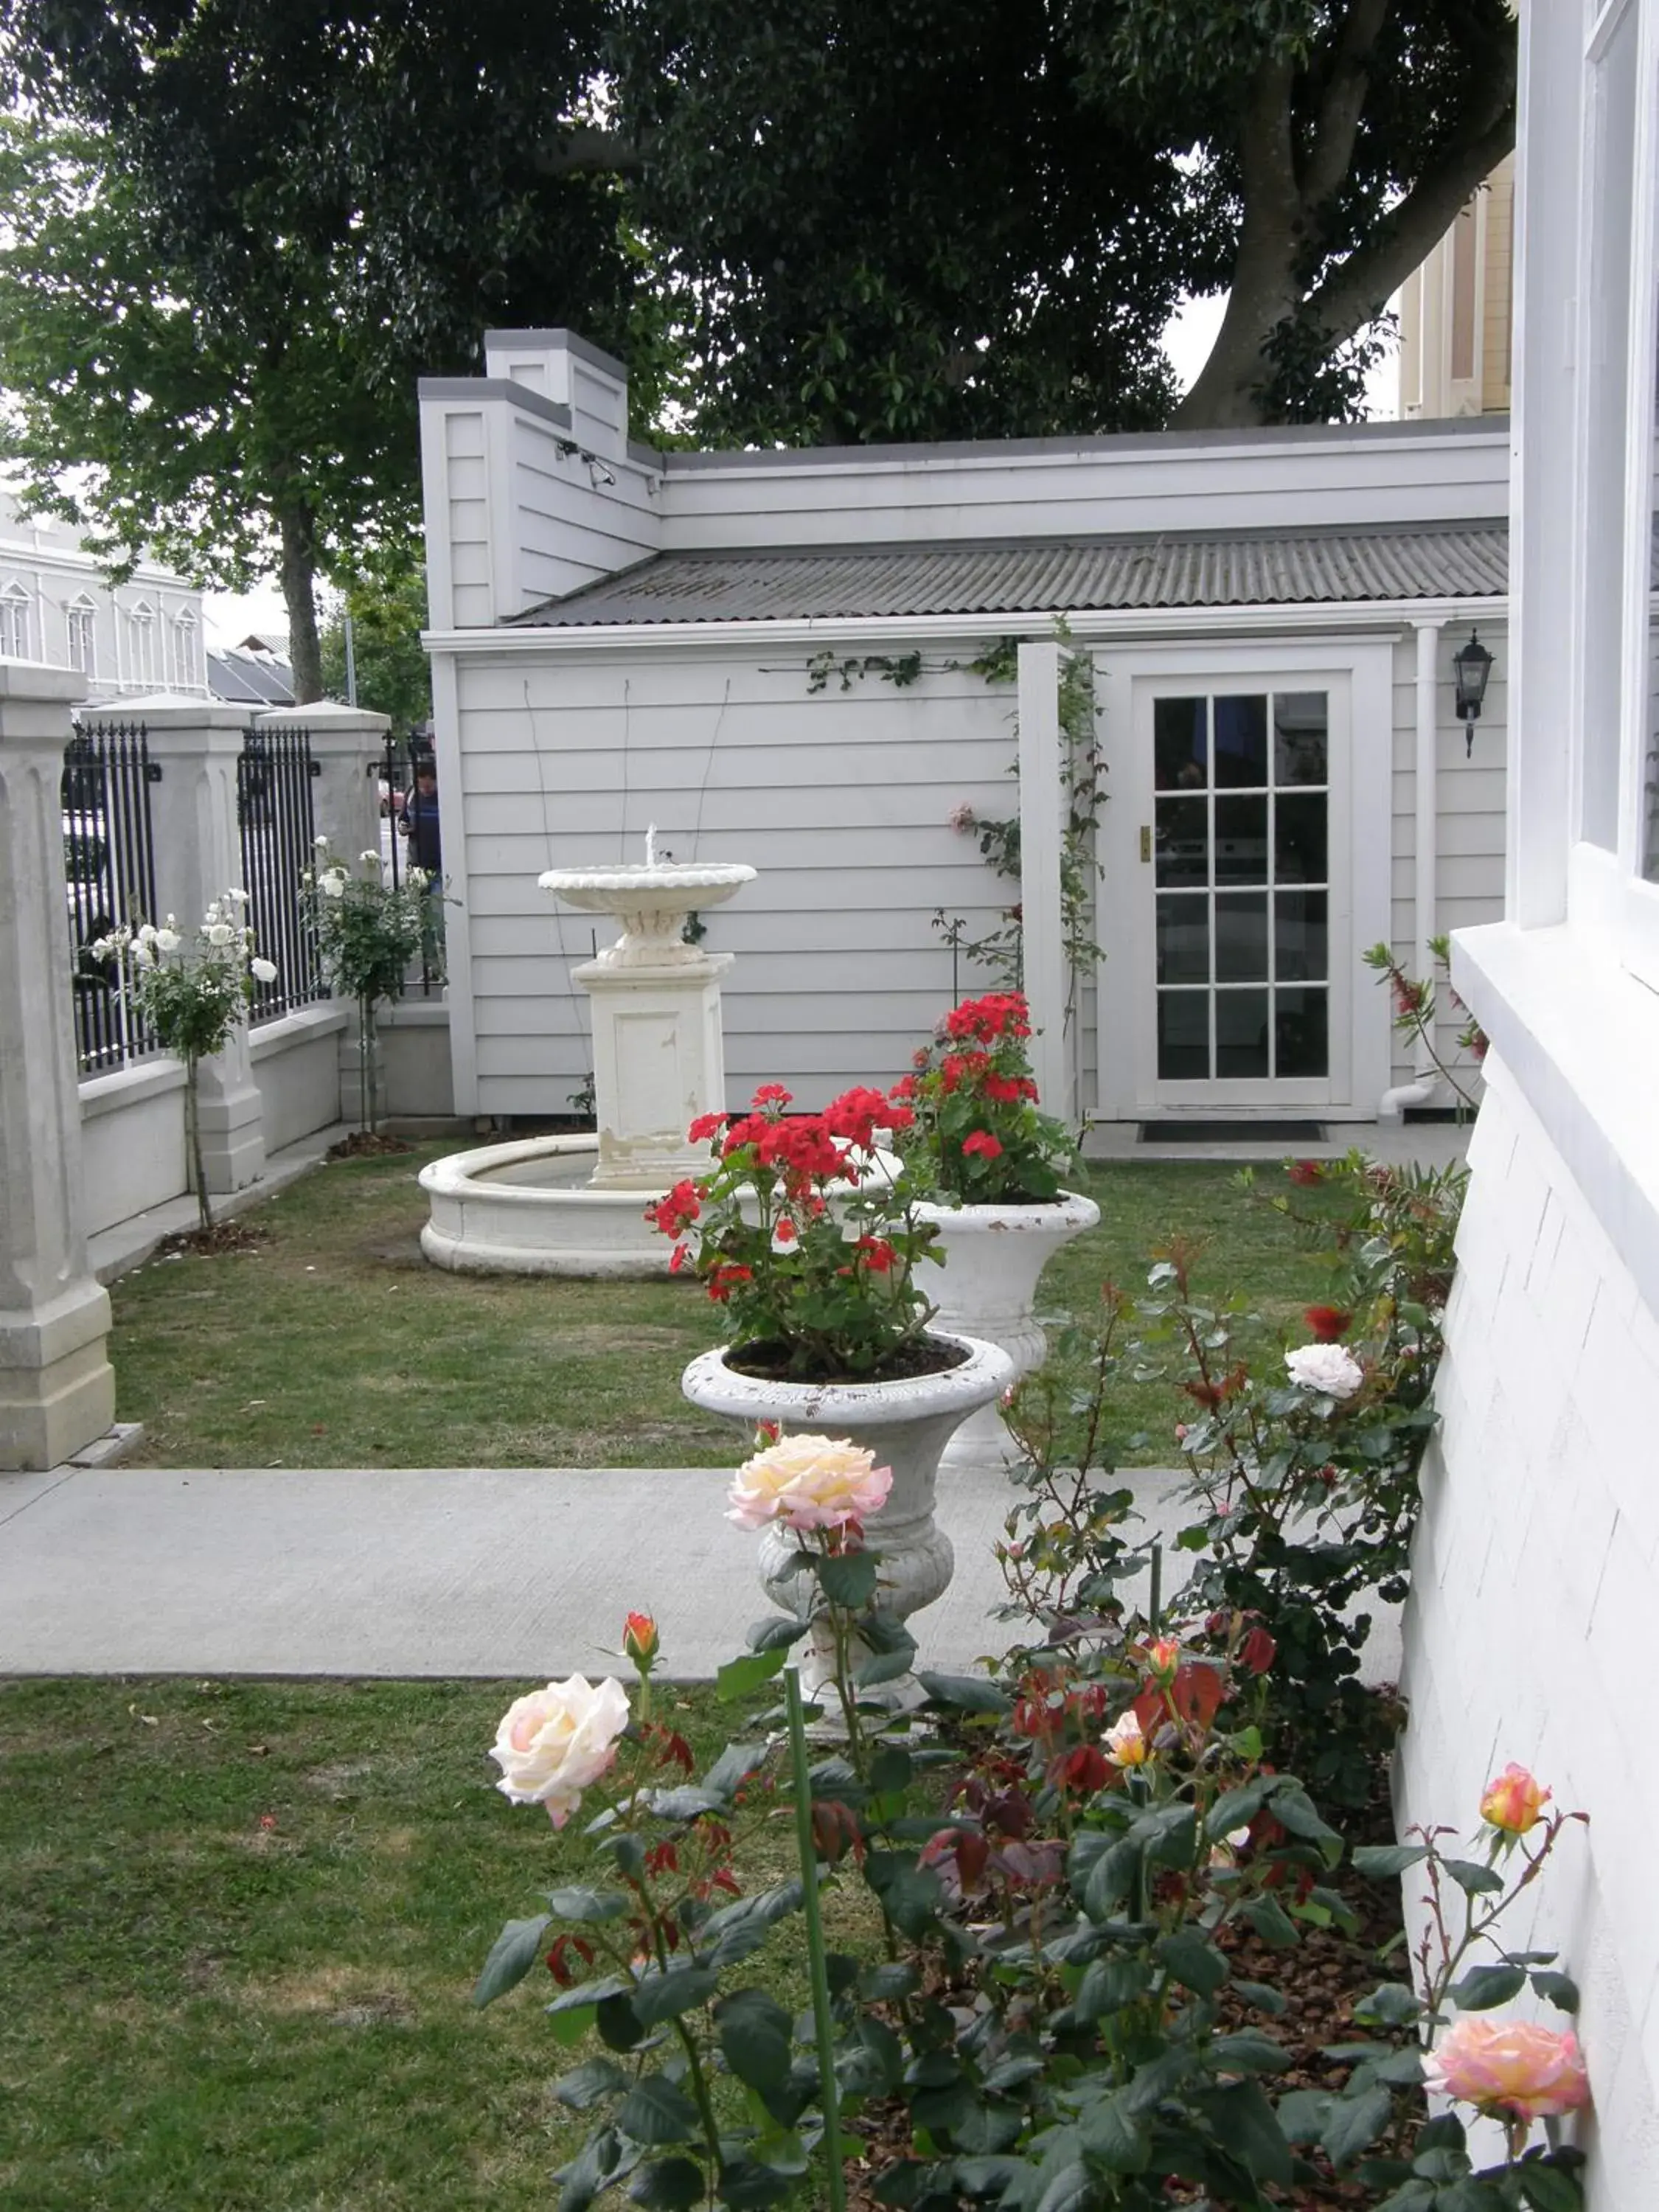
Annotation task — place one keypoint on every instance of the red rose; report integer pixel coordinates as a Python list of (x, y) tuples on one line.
[(1329, 1323), (1305, 1172)]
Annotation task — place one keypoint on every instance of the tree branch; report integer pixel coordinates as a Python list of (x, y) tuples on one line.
[(1344, 102), (589, 151), (1357, 292)]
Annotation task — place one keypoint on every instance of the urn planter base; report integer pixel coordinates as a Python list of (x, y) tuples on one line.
[(994, 1256), (907, 1425)]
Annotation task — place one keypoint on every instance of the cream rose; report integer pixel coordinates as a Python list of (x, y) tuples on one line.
[(1330, 1368), (552, 1743), (809, 1482), (265, 971), (219, 932), (167, 940)]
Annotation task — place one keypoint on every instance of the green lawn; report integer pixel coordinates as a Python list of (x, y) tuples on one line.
[(333, 1343), (242, 1923)]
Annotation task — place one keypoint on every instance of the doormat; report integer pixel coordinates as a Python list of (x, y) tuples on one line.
[(1232, 1132)]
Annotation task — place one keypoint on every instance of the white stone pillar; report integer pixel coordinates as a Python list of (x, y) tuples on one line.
[(197, 744), (1041, 827), (347, 744), (56, 1387)]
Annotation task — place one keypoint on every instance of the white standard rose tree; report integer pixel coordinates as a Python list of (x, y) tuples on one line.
[(368, 931), (194, 987)]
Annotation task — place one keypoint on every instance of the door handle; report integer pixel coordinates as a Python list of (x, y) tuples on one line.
[(1145, 841)]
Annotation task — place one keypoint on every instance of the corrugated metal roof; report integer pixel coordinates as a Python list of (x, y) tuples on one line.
[(1245, 569)]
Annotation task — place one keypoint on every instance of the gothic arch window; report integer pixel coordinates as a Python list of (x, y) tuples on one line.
[(184, 652), (141, 645), (81, 620), (13, 621)]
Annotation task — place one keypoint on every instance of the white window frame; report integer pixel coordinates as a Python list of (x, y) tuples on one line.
[(182, 639), (1608, 902), (140, 646), (14, 604), (81, 622), (1361, 796)]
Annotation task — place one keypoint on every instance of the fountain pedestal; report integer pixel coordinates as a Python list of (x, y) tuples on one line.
[(576, 1206), (659, 1063)]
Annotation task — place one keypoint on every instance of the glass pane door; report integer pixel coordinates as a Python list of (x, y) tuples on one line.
[(1241, 848)]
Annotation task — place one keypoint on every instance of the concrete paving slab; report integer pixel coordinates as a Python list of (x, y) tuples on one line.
[(510, 1573)]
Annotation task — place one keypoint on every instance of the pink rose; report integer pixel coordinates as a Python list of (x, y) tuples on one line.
[(1509, 2068), (1514, 1800), (807, 1483)]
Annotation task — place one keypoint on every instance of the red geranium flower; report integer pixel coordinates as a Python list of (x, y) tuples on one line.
[(706, 1126), (774, 1094), (982, 1142)]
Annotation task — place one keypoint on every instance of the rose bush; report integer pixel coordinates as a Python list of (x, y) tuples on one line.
[(368, 930), (194, 992)]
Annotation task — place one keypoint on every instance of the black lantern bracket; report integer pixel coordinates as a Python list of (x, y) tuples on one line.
[(1474, 665)]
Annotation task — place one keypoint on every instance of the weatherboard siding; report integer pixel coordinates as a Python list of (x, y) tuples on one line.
[(1470, 796), (839, 798)]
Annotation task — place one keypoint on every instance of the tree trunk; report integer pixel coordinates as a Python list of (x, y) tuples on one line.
[(298, 575)]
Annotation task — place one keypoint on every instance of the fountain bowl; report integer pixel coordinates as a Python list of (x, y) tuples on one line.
[(651, 899), (526, 1208)]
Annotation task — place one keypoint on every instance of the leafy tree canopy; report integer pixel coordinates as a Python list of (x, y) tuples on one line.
[(388, 612)]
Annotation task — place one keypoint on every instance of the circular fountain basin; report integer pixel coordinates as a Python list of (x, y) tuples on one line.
[(525, 1209)]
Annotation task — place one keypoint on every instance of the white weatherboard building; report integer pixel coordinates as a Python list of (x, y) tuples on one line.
[(622, 637), (1529, 1633)]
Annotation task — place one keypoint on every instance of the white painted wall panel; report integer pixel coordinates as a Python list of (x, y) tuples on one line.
[(839, 798), (1536, 1576)]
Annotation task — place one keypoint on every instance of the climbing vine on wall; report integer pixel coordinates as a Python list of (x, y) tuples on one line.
[(1082, 772), (1000, 951)]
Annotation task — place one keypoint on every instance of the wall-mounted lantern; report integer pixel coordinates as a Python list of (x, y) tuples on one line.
[(1474, 664)]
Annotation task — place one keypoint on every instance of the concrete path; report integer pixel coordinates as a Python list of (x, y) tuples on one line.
[(512, 1574)]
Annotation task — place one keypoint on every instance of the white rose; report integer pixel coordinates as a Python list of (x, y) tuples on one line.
[(332, 883), (240, 897), (101, 947), (1330, 1368), (167, 940), (370, 859), (219, 932), (265, 971), (320, 844), (142, 955), (147, 932), (553, 1743), (414, 878)]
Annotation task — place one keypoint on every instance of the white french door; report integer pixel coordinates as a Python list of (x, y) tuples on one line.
[(1233, 854)]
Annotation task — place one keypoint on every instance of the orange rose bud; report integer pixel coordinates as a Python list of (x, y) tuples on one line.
[(1513, 1802), (1163, 1658), (640, 1641)]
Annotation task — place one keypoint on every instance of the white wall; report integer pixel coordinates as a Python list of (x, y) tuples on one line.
[(1470, 790), (839, 800), (1535, 1584)]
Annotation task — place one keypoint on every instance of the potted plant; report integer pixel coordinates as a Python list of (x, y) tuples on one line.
[(989, 1163), (810, 1252)]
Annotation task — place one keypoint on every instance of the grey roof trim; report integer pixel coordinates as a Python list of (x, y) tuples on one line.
[(1477, 428), (495, 387), (571, 342), (1325, 566)]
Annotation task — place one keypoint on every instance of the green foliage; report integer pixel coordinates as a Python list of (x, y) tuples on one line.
[(368, 930), (388, 612)]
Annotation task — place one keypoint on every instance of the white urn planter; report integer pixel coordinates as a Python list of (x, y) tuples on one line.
[(907, 1425), (993, 1258)]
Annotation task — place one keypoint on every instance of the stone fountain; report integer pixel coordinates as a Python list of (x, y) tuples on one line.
[(575, 1206)]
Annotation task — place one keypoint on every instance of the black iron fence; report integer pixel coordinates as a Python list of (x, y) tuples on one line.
[(109, 869), (277, 823), (409, 831)]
